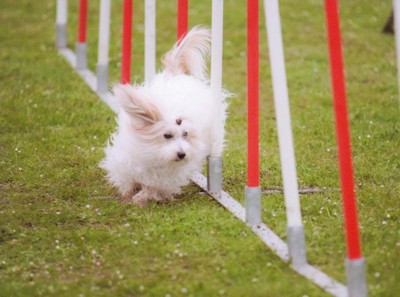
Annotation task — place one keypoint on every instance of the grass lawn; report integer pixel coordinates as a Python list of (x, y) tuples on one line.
[(62, 232)]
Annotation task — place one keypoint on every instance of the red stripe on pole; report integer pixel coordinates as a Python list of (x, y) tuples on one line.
[(182, 21), (253, 159), (83, 11), (342, 130), (126, 42)]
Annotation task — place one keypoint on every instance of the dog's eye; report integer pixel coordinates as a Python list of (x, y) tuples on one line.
[(185, 134), (167, 136)]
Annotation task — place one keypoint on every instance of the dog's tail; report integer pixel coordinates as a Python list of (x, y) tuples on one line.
[(188, 56)]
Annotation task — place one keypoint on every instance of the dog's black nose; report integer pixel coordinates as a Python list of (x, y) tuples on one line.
[(181, 155)]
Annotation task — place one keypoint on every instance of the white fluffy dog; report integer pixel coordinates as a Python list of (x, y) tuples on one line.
[(167, 126)]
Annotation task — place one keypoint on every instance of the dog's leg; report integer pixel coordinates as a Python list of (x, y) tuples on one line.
[(128, 197), (147, 194)]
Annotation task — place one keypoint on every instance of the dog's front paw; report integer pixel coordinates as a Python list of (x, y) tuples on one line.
[(140, 199), (128, 197), (147, 194)]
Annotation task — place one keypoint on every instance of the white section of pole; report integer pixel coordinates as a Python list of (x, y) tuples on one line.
[(150, 40), (356, 277), (396, 12), (253, 206), (62, 12), (61, 23), (216, 71), (282, 113), (104, 44), (214, 178), (104, 32)]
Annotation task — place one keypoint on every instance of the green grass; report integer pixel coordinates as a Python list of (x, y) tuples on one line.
[(62, 232)]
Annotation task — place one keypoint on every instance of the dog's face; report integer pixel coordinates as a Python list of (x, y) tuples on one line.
[(176, 141), (171, 140)]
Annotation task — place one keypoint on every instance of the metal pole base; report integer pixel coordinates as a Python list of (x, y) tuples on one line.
[(253, 205), (61, 35), (297, 245), (81, 60), (356, 278), (102, 78), (214, 176)]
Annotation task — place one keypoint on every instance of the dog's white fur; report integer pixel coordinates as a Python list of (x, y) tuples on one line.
[(166, 126)]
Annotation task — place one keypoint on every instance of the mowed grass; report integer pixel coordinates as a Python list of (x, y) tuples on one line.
[(62, 232)]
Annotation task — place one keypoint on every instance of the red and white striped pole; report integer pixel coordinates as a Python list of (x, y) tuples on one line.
[(81, 46), (355, 263), (182, 19), (126, 42), (253, 190)]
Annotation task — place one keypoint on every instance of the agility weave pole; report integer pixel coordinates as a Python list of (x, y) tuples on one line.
[(294, 252), (126, 42), (182, 18), (214, 161), (253, 189), (81, 45), (295, 228), (150, 40), (355, 263), (396, 14), (103, 47)]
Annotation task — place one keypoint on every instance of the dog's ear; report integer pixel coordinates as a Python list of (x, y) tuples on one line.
[(142, 112)]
